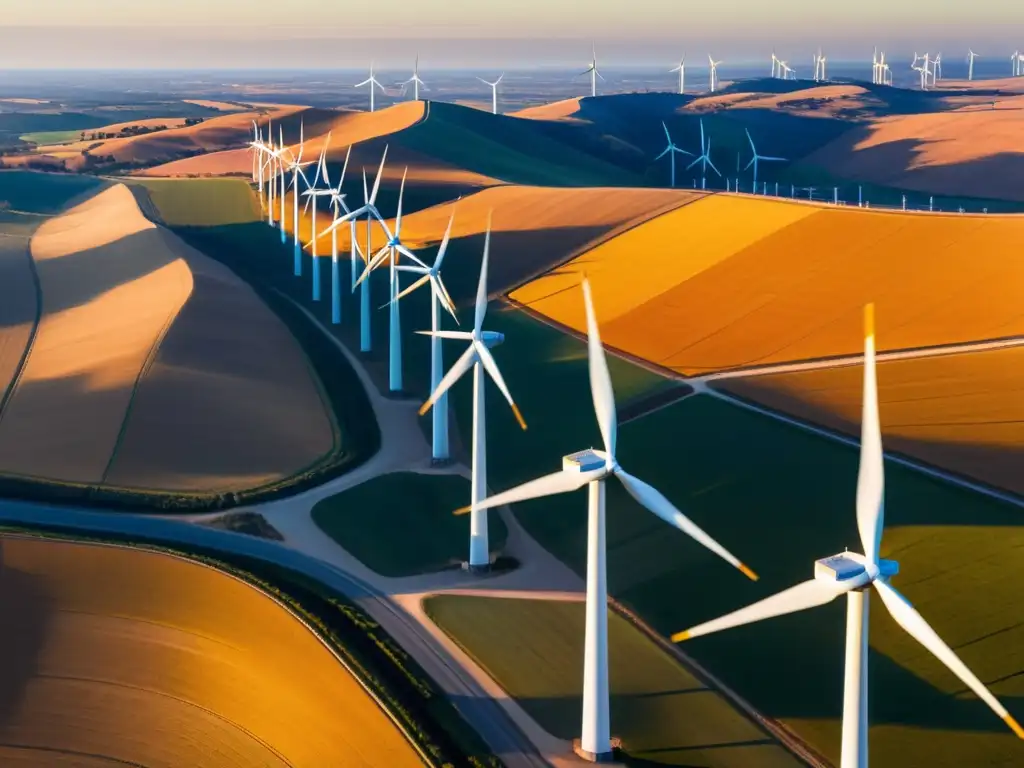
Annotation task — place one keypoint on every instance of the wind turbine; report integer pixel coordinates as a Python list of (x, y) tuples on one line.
[(337, 205), (283, 181), (671, 150), (372, 81), (923, 71), (438, 297), (681, 69), (937, 69), (850, 574), (819, 67), (593, 468), (369, 209), (1015, 63), (775, 64), (478, 357), (415, 80), (971, 56), (714, 72), (390, 251), (312, 192), (754, 160), (704, 158), (494, 92), (876, 67), (594, 74), (295, 165)]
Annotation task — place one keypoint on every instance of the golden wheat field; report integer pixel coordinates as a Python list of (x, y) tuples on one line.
[(129, 657), (730, 282), (962, 412)]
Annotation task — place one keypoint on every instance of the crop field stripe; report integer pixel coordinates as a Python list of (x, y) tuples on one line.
[(937, 473), (349, 669), (16, 379)]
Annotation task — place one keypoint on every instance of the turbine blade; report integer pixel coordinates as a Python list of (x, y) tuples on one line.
[(752, 161), (907, 617), (487, 360), (667, 150), (481, 288), (871, 476), (667, 135), (380, 174), (711, 163), (808, 594), (410, 255), (559, 482), (751, 140), (654, 501), (446, 300), (344, 168), (410, 288), (401, 194), (375, 262), (600, 379), (444, 242), (461, 366), (453, 335)]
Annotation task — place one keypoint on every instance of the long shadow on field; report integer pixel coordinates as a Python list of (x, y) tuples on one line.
[(28, 611), (78, 278)]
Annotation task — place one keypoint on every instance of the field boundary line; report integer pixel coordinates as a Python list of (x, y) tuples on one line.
[(8, 394), (786, 737), (148, 547)]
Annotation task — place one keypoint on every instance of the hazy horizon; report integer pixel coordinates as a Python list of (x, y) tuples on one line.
[(317, 34)]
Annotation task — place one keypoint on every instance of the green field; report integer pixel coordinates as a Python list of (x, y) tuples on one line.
[(402, 524), (52, 137), (37, 192), (663, 713), (201, 202)]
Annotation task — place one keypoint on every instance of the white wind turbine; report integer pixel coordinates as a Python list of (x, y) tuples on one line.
[(371, 81), (681, 69), (283, 181), (593, 468), (1015, 60), (775, 64), (704, 158), (937, 69), (671, 150), (876, 68), (369, 209), (971, 56), (594, 74), (311, 194), (415, 80), (494, 91), (850, 574), (819, 67), (478, 357), (922, 71), (714, 72), (756, 158), (390, 251), (438, 297), (337, 205), (295, 165)]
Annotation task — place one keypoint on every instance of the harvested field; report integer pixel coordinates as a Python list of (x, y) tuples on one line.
[(209, 202), (151, 670), (111, 285), (963, 413), (732, 282), (663, 713)]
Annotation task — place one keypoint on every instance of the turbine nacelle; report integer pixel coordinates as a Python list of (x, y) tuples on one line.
[(589, 460), (852, 567), (492, 339)]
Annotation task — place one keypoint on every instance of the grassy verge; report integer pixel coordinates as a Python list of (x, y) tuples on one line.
[(401, 524), (663, 714), (431, 721)]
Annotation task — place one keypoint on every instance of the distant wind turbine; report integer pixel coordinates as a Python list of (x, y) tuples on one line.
[(337, 206), (714, 72), (971, 56), (704, 158), (312, 192), (594, 74), (681, 69), (295, 165), (371, 81), (494, 91), (672, 150), (756, 158), (415, 80)]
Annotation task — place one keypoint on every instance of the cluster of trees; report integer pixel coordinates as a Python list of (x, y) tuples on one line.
[(134, 130)]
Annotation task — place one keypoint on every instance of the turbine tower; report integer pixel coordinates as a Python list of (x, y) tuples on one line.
[(775, 64), (851, 574), (594, 74), (337, 205), (704, 158), (390, 251), (971, 56), (714, 72), (494, 91), (438, 297), (593, 468), (478, 357), (756, 158), (295, 165), (671, 151), (312, 192), (681, 69), (372, 81), (415, 80), (1015, 62)]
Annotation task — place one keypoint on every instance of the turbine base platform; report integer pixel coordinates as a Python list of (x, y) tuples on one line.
[(604, 758)]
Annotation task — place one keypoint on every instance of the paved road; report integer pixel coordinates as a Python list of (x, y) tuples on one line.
[(482, 713)]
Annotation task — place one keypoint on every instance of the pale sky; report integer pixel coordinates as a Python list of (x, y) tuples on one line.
[(341, 33)]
